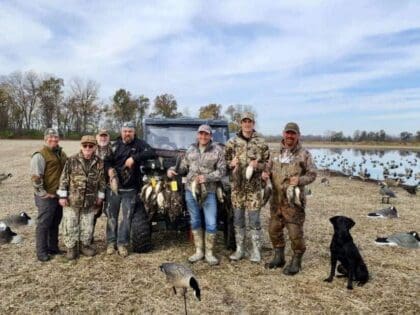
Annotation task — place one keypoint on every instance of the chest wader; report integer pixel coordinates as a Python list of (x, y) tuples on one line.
[(285, 214)]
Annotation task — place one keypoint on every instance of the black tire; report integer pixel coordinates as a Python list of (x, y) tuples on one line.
[(141, 232)]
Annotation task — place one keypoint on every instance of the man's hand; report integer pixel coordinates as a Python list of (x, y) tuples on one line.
[(294, 181), (63, 202), (98, 201), (47, 195), (265, 176), (234, 162), (200, 179), (129, 162), (171, 173)]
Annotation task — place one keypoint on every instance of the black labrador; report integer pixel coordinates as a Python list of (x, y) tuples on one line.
[(345, 251)]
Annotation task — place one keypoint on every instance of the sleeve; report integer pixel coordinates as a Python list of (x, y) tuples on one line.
[(144, 152), (184, 166), (101, 183), (37, 174), (63, 189), (229, 153), (310, 170), (220, 170)]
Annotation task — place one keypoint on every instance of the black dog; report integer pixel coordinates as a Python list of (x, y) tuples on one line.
[(345, 251)]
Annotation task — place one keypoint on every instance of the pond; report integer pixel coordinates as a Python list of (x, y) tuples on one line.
[(371, 163)]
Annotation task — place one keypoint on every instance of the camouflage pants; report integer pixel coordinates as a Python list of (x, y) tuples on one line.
[(77, 226), (292, 218)]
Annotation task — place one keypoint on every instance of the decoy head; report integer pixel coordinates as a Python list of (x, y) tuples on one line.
[(416, 235), (196, 288)]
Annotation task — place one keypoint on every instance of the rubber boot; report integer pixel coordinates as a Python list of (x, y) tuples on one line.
[(199, 246), (239, 238), (72, 253), (255, 256), (294, 266), (210, 241), (87, 250), (278, 260)]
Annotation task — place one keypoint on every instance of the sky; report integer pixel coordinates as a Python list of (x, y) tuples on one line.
[(328, 65)]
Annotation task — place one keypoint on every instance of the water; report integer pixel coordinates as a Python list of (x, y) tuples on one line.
[(375, 163)]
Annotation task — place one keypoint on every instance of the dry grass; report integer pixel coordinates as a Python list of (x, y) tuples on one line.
[(110, 284)]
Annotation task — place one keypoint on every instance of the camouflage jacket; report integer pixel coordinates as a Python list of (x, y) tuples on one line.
[(211, 163), (103, 152), (285, 164), (246, 194), (82, 181)]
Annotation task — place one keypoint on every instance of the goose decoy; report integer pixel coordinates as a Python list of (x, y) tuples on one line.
[(179, 276), (325, 181), (18, 219), (412, 190), (7, 235), (407, 240), (386, 193), (4, 176), (390, 213)]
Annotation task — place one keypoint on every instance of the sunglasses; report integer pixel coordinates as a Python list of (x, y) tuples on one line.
[(90, 146)]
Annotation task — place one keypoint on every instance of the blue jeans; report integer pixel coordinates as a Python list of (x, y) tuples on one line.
[(119, 222), (209, 209)]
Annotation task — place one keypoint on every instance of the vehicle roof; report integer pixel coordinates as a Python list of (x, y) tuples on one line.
[(185, 121)]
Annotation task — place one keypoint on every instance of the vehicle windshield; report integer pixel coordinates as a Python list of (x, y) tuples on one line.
[(179, 137)]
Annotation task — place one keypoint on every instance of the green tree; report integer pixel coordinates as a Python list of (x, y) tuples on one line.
[(166, 106), (405, 136), (211, 111), (50, 94), (124, 106)]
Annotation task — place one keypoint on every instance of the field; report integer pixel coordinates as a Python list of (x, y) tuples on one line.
[(110, 284)]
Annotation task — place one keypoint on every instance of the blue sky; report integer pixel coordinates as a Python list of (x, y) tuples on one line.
[(329, 65)]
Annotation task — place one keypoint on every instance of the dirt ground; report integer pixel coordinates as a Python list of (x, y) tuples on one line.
[(111, 284)]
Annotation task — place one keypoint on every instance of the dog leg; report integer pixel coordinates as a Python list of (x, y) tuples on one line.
[(332, 271), (352, 273)]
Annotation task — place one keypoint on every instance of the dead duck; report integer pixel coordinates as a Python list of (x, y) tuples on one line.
[(199, 191), (386, 213), (406, 240), (293, 195), (181, 277), (7, 235), (18, 219)]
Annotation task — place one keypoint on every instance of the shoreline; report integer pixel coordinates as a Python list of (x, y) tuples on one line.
[(366, 146)]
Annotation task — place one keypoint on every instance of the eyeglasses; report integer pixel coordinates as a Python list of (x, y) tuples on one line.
[(90, 146)]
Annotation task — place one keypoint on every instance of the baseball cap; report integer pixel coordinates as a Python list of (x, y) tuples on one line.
[(247, 115), (205, 128), (291, 126), (103, 132), (88, 139), (128, 124), (51, 132)]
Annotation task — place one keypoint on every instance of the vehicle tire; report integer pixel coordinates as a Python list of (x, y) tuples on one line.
[(141, 232)]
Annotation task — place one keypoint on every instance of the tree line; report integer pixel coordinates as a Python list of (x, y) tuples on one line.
[(31, 102)]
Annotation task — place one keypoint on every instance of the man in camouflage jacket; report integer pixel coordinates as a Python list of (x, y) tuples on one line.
[(82, 188), (204, 164), (246, 157), (103, 151), (291, 169)]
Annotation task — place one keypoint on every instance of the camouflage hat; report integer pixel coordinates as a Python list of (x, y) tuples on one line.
[(205, 128), (51, 132), (88, 139), (291, 126), (247, 115), (103, 132), (128, 124)]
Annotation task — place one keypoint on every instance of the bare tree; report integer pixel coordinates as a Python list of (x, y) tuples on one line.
[(50, 94)]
